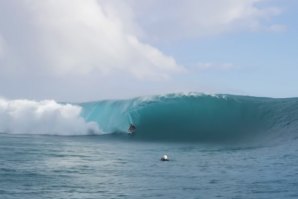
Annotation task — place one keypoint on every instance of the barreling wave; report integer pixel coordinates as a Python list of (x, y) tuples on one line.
[(194, 116), (172, 117)]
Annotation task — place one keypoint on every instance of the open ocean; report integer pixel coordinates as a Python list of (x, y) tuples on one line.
[(220, 146)]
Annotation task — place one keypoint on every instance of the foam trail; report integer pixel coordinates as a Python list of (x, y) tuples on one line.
[(43, 117)]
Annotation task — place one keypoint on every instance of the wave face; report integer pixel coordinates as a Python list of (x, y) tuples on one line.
[(194, 117)]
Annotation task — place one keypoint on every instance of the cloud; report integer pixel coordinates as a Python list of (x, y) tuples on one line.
[(201, 18), (214, 66), (104, 36), (43, 117), (80, 37), (277, 28), (89, 49)]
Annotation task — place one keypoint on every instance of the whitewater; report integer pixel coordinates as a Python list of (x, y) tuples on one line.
[(220, 146)]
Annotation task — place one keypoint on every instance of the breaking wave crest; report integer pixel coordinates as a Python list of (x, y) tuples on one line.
[(43, 117)]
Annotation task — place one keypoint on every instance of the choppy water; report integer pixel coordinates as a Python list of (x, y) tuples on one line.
[(33, 166)]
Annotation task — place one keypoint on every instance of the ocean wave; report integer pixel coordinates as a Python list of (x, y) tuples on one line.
[(195, 116), (172, 117), (43, 117)]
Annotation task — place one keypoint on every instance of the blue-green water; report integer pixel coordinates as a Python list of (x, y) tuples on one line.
[(220, 146), (195, 117), (100, 167)]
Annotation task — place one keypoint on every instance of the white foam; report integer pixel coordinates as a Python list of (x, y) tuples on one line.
[(43, 117)]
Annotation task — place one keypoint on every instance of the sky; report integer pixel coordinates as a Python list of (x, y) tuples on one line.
[(86, 50)]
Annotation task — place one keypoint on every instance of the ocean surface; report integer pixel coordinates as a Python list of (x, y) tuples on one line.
[(219, 146)]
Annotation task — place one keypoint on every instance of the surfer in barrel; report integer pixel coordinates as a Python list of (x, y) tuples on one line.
[(132, 129)]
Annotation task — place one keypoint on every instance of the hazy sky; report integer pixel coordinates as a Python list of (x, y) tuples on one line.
[(81, 50)]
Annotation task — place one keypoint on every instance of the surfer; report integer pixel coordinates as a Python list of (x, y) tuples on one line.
[(132, 129)]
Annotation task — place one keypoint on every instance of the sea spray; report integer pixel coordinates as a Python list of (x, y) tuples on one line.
[(43, 117)]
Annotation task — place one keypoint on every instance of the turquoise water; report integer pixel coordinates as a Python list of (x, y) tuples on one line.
[(220, 146), (101, 167), (195, 117)]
